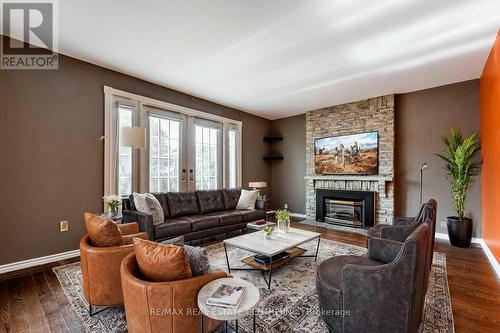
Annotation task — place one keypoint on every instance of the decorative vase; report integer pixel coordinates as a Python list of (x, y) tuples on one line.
[(459, 231), (283, 225), (268, 236), (112, 211)]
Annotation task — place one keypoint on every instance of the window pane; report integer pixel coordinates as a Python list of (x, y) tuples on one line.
[(232, 167), (164, 155), (206, 157), (124, 154)]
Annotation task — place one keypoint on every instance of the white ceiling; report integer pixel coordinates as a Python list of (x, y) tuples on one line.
[(277, 58)]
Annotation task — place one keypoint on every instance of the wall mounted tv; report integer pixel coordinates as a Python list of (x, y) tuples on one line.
[(355, 154)]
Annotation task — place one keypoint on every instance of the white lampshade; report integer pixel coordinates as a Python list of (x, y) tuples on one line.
[(134, 137), (257, 184)]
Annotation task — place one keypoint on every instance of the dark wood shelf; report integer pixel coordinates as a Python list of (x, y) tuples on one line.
[(273, 156), (273, 138)]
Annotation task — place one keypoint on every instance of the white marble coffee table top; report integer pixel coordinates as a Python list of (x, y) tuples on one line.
[(281, 241), (249, 302)]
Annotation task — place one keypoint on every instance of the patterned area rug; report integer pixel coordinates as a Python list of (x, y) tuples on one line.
[(290, 306)]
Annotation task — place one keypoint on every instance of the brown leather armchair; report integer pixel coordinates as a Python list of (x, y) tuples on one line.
[(163, 306), (101, 268)]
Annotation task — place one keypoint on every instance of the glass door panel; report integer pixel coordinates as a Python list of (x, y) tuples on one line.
[(125, 116), (207, 161), (164, 154)]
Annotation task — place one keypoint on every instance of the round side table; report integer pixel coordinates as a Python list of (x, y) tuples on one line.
[(247, 306)]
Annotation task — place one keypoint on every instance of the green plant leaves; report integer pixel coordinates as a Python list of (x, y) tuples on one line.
[(460, 160)]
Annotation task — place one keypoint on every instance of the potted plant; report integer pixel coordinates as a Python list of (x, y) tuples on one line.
[(461, 162), (112, 202), (283, 217), (268, 232)]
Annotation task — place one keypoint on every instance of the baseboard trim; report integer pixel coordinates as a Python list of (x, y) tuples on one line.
[(15, 266), (493, 261), (445, 237)]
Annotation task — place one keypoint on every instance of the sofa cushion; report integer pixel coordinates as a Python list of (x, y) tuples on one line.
[(181, 204), (162, 198), (228, 217), (102, 231), (330, 271), (172, 228), (250, 215), (198, 260), (231, 197), (200, 222), (149, 204), (159, 262), (210, 201)]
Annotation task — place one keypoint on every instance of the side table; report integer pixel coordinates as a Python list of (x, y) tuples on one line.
[(247, 306)]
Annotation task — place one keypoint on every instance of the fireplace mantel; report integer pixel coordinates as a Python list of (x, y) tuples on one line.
[(376, 178)]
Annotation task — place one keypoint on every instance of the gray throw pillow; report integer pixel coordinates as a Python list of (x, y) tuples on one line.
[(198, 260), (176, 241)]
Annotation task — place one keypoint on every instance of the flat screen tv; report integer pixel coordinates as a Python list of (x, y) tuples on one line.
[(355, 154)]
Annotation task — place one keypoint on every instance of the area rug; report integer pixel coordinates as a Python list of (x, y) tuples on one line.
[(290, 306)]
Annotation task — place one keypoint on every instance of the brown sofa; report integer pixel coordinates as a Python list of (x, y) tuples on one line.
[(198, 216), (101, 268), (170, 307)]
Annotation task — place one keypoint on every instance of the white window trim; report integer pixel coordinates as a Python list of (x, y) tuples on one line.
[(110, 135)]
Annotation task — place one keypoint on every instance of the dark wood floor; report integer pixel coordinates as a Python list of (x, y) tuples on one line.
[(33, 301)]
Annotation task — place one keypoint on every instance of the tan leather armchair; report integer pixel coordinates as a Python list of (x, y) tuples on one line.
[(101, 268), (170, 307)]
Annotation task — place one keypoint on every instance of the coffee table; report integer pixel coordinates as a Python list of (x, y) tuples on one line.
[(281, 242)]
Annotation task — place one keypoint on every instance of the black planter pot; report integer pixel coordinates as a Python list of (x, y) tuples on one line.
[(459, 231)]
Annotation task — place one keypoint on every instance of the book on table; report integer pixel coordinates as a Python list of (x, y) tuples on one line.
[(227, 296), (261, 259)]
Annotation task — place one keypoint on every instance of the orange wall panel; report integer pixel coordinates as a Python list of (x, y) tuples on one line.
[(490, 141)]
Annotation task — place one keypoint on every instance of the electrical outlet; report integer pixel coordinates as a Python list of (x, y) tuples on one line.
[(63, 226), (443, 224)]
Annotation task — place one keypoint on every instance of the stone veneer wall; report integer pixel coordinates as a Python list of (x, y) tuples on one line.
[(374, 114)]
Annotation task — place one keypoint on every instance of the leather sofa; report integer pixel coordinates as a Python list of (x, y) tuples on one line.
[(101, 268), (383, 291), (199, 216), (170, 307)]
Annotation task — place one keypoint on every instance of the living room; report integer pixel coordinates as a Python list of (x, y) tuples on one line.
[(335, 161)]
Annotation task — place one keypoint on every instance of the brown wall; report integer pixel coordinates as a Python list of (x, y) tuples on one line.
[(288, 182), (422, 117), (51, 165)]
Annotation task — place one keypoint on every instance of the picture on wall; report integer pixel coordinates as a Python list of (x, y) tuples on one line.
[(355, 154)]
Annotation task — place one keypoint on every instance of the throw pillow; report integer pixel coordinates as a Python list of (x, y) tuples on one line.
[(160, 263), (102, 231), (198, 260), (147, 203), (247, 199), (176, 241)]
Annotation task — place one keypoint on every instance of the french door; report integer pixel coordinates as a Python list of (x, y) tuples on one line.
[(184, 153)]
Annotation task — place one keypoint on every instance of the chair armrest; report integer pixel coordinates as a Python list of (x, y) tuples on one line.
[(403, 220), (145, 221), (396, 232), (384, 250), (128, 228)]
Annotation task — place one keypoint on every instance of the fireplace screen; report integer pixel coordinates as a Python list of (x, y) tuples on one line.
[(344, 212)]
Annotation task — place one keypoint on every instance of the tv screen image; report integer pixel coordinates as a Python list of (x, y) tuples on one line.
[(355, 154)]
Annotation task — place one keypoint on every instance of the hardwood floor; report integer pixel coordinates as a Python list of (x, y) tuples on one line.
[(34, 301)]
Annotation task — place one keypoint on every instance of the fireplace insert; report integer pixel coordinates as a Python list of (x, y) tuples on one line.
[(348, 208)]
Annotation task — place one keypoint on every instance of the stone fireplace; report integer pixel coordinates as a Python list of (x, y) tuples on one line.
[(374, 114)]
